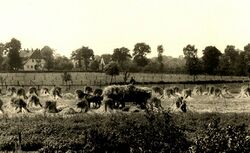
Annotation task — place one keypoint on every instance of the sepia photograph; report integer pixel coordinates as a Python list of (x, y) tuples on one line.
[(125, 76)]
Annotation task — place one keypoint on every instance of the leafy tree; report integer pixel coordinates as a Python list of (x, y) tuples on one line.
[(112, 69), (120, 55), (94, 65), (152, 67), (242, 64), (48, 55), (141, 61), (192, 61), (247, 52), (1, 54), (107, 58), (63, 63), (244, 61), (86, 54), (160, 50), (14, 60), (232, 55), (132, 66), (224, 65), (140, 52), (211, 58), (77, 55), (247, 48)]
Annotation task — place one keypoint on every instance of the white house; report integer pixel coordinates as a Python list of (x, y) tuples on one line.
[(34, 62)]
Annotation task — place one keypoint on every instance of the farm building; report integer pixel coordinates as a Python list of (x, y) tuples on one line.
[(33, 60)]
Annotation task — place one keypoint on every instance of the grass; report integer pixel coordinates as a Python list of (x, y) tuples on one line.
[(98, 133)]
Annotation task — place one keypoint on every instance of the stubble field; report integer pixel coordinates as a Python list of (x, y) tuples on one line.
[(117, 131)]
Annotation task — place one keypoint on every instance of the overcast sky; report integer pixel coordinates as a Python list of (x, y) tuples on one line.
[(103, 25)]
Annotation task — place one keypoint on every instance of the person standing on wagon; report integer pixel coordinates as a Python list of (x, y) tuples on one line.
[(132, 81)]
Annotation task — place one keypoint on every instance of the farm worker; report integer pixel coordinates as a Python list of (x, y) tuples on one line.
[(132, 81)]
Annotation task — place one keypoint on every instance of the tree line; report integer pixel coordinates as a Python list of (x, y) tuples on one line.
[(232, 62)]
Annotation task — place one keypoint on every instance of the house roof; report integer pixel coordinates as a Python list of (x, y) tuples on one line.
[(25, 53), (102, 62), (36, 55)]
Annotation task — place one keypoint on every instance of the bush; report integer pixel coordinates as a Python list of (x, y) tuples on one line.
[(138, 133), (113, 133), (134, 132), (218, 138)]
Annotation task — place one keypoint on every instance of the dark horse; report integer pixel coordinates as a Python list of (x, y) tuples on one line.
[(66, 77)]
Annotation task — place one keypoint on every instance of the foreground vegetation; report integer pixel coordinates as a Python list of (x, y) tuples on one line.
[(136, 132)]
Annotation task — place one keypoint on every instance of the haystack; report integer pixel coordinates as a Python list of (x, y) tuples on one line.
[(34, 100), (50, 106), (197, 90), (83, 105), (1, 105)]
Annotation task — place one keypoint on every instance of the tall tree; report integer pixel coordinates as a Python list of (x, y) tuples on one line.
[(247, 48), (247, 58), (121, 55), (63, 63), (140, 52), (247, 53), (152, 67), (112, 69), (1, 54), (13, 48), (160, 50), (224, 65), (230, 58), (242, 64), (86, 54), (107, 58), (48, 55), (94, 65), (77, 56), (211, 58), (192, 61)]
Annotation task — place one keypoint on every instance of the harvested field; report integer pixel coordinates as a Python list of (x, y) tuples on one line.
[(70, 130)]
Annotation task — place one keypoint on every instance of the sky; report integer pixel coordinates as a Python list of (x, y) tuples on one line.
[(102, 25)]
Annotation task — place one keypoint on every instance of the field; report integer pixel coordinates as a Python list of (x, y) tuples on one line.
[(100, 79), (197, 103), (118, 131)]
